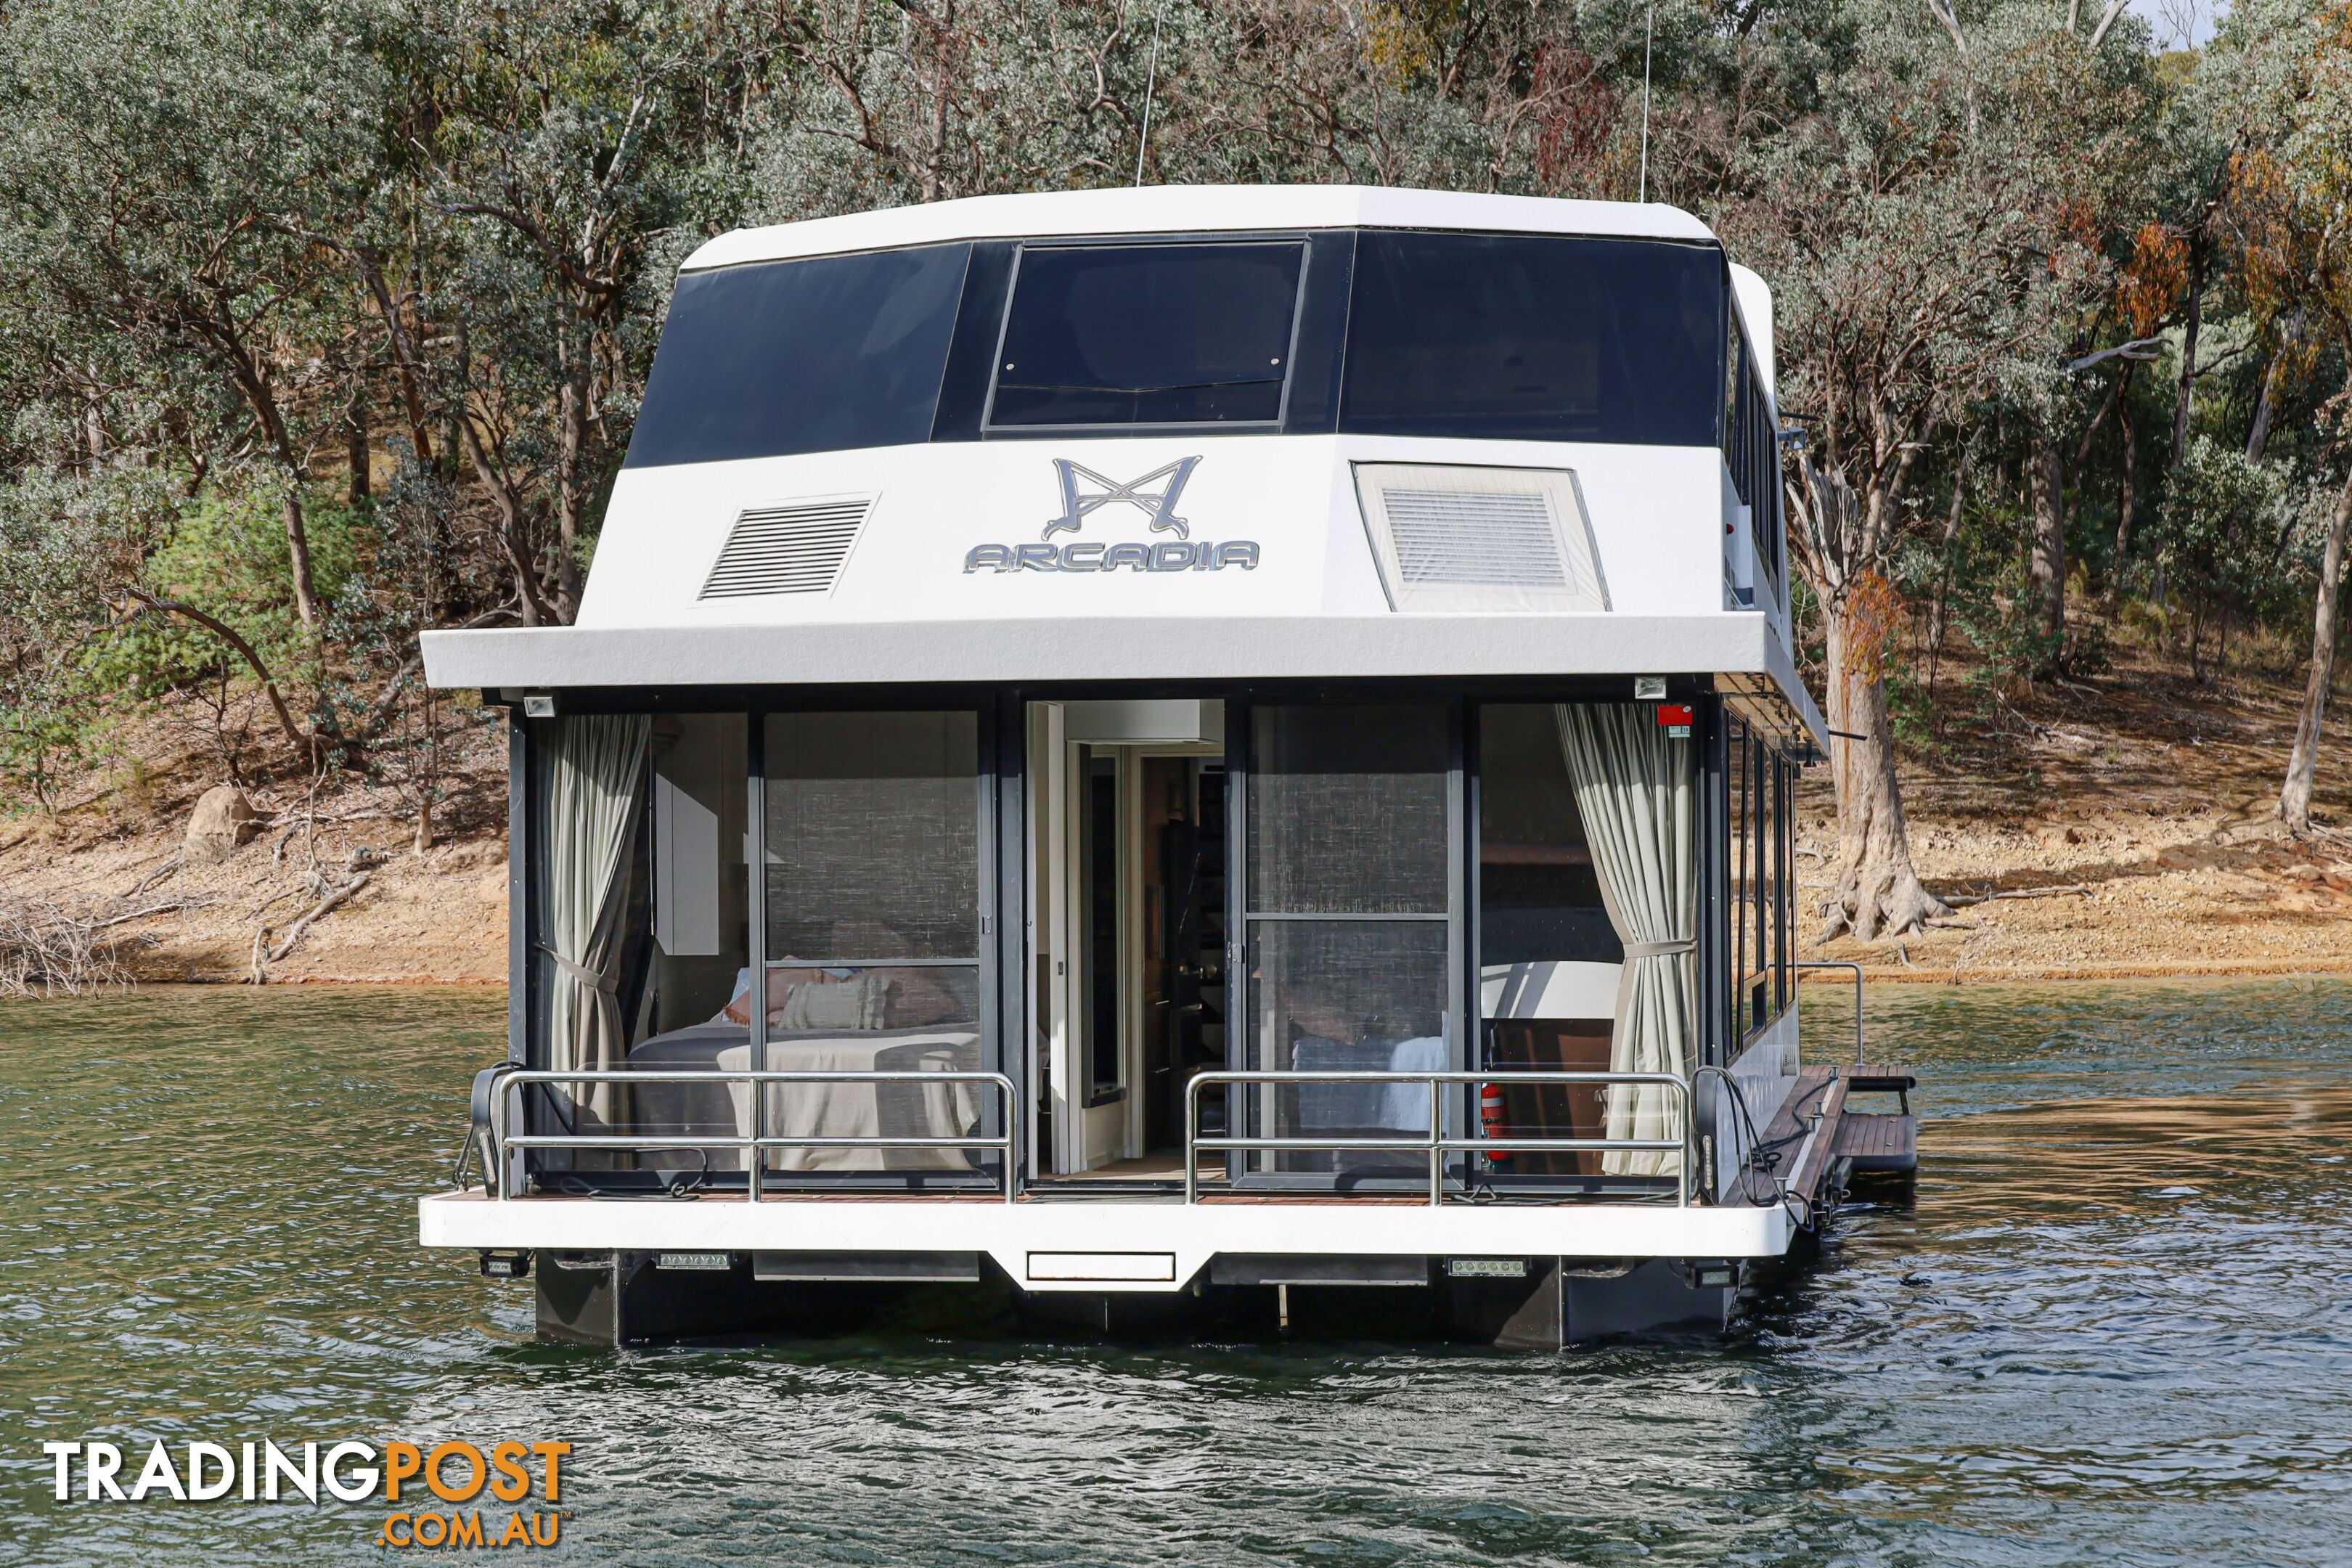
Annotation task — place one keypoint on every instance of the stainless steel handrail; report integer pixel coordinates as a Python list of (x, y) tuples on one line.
[(1434, 1143), (503, 1141), (1843, 964)]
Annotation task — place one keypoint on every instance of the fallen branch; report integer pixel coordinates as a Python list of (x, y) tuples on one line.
[(2072, 889), (45, 949), (333, 901), (168, 906), (158, 874)]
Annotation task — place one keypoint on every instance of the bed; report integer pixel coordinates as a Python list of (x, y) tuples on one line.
[(821, 1022), (812, 1110)]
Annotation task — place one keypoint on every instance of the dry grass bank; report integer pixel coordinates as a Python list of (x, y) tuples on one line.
[(112, 856), (2149, 790)]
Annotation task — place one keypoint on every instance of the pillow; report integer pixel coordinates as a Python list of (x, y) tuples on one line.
[(918, 998), (859, 1003), (781, 983)]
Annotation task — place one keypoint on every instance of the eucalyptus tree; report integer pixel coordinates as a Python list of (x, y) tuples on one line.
[(570, 148), (164, 170), (2287, 65), (1915, 226)]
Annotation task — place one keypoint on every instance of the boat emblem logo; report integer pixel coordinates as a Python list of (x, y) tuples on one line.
[(1182, 553), (1160, 507)]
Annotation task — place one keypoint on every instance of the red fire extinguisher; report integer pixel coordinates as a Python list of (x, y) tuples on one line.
[(1490, 1118)]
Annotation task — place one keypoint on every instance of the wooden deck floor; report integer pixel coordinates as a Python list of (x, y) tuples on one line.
[(1850, 1141)]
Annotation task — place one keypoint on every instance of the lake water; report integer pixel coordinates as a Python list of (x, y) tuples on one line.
[(2115, 1328)]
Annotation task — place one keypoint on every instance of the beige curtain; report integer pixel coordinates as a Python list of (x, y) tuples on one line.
[(589, 779), (1636, 790)]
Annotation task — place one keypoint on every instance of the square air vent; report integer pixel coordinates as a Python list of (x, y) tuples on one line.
[(797, 547), (1480, 539)]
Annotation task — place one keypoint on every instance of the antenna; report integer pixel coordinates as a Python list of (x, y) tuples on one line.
[(1648, 12), (1150, 81)]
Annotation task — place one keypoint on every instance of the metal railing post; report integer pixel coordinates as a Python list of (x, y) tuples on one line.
[(1436, 1147), (1856, 968), (757, 1164), (1192, 1136)]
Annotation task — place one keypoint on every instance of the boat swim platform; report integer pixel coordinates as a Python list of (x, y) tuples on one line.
[(1833, 1143)]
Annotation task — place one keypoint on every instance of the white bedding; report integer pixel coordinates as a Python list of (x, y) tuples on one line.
[(822, 1110)]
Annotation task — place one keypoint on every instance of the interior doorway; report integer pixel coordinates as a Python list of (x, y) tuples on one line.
[(1128, 857)]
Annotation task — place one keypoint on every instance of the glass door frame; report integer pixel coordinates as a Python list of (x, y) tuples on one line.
[(1241, 761), (995, 751)]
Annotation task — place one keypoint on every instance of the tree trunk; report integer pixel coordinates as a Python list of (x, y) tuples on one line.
[(298, 555), (1939, 612), (532, 606), (2124, 503), (2188, 353), (403, 357), (1878, 893), (249, 372), (571, 488), (2258, 436), (2294, 796), (355, 447), (2046, 568)]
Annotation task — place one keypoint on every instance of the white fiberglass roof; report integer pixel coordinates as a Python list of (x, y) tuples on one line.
[(1193, 209)]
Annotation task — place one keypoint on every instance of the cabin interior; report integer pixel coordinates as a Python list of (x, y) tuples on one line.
[(1102, 896)]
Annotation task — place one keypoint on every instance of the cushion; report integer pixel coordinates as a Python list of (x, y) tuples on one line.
[(860, 1002)]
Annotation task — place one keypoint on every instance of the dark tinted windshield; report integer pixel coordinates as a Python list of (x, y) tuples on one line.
[(1535, 339), (1148, 334), (821, 355)]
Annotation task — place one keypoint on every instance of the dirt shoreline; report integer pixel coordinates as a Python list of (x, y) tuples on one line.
[(2134, 812), (2147, 897)]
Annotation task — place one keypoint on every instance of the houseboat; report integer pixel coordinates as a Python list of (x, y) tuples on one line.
[(1167, 751)]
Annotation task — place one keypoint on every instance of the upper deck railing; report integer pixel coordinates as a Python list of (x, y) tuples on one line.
[(498, 1090), (1433, 1144), (504, 1085)]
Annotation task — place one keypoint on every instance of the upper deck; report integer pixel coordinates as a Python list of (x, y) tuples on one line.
[(1365, 432)]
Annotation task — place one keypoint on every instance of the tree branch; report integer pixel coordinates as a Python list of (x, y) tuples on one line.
[(306, 745)]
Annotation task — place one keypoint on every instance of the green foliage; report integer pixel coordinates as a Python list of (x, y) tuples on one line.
[(67, 540), (229, 230), (225, 552)]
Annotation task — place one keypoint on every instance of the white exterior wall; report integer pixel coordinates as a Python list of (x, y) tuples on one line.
[(1656, 513)]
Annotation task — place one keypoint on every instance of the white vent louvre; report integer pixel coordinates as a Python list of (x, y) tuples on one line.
[(1470, 539), (1460, 538), (797, 548)]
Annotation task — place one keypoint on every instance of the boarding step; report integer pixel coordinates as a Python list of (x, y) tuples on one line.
[(1822, 1141), (1878, 1143)]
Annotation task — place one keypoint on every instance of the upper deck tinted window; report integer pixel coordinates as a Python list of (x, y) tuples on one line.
[(1533, 338), (1148, 334), (822, 355)]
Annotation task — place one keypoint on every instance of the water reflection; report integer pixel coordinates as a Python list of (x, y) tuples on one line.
[(2111, 1330)]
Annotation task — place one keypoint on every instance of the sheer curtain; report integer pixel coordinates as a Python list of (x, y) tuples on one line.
[(589, 777), (1634, 786)]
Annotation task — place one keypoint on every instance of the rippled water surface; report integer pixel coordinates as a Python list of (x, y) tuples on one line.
[(2115, 1330)]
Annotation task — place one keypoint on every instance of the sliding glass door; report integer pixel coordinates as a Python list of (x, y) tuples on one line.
[(1350, 924), (873, 928)]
